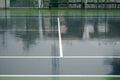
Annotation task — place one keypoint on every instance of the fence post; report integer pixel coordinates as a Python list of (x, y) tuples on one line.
[(5, 4), (82, 4)]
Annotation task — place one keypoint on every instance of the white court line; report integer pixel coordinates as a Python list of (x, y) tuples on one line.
[(27, 57), (65, 57), (82, 57), (60, 76), (60, 39), (27, 30)]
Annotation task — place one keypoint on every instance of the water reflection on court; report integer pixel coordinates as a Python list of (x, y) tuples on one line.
[(81, 36)]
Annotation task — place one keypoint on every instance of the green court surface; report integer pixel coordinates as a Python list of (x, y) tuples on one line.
[(59, 78), (60, 12)]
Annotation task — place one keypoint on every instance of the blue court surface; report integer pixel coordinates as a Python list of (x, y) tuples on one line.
[(55, 46)]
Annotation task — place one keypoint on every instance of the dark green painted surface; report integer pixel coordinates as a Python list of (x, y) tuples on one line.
[(60, 12)]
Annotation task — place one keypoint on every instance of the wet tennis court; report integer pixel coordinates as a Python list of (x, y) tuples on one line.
[(59, 45)]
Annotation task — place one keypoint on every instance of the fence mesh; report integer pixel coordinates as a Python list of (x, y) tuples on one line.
[(60, 3)]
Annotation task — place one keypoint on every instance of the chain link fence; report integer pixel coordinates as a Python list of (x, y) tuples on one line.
[(60, 4)]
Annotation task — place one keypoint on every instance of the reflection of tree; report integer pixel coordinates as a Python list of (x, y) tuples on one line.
[(53, 22), (82, 4), (114, 27), (3, 27), (115, 63), (28, 36), (22, 3), (96, 26), (55, 50), (53, 3), (116, 66), (3, 23), (75, 26), (116, 69), (102, 27), (55, 61), (2, 35)]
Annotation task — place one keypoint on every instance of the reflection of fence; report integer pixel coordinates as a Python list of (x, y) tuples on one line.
[(60, 3), (89, 4)]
